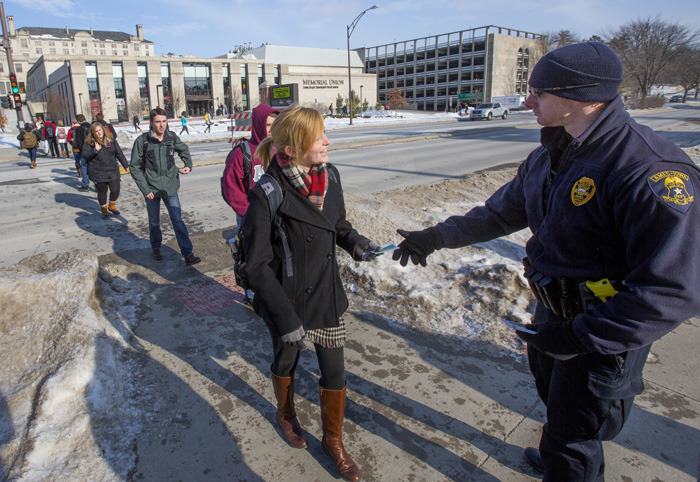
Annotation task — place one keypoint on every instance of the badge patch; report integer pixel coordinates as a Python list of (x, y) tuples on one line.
[(674, 188), (583, 191)]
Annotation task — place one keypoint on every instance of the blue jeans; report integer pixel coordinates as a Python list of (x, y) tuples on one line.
[(172, 203), (32, 154), (84, 180)]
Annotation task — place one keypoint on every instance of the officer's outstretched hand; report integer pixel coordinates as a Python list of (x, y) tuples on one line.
[(417, 245), (554, 339), (295, 338)]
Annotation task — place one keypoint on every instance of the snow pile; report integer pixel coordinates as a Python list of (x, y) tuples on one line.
[(67, 413), (461, 292)]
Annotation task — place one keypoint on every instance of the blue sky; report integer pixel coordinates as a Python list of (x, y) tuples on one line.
[(207, 28)]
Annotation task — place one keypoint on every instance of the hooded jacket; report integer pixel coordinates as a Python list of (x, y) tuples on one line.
[(235, 186)]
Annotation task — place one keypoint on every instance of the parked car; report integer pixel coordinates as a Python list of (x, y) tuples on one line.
[(677, 98), (488, 111)]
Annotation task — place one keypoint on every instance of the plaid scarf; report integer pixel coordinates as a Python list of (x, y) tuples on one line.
[(311, 185)]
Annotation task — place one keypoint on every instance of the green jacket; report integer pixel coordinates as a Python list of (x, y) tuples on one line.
[(156, 172)]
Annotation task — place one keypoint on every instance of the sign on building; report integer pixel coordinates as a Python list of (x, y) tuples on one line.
[(284, 95)]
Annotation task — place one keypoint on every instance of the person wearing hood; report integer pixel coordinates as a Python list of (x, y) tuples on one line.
[(237, 182), (80, 133), (613, 261), (49, 133)]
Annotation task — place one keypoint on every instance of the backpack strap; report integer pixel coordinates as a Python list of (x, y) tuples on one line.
[(274, 196), (247, 162)]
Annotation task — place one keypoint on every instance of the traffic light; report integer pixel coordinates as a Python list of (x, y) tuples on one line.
[(13, 84), (18, 100)]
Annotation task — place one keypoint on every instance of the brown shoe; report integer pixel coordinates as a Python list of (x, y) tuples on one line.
[(156, 254), (332, 416), (292, 432), (191, 259), (33, 165)]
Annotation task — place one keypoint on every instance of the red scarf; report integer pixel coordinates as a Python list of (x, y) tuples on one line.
[(311, 185)]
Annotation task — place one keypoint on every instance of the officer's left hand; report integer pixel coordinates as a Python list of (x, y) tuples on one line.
[(554, 339), (185, 170)]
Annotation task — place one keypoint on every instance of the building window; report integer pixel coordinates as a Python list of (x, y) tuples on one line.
[(197, 79), (37, 42), (18, 67), (38, 50), (66, 52), (85, 51), (52, 51), (51, 43), (119, 94), (93, 87), (136, 47), (24, 43), (83, 43), (64, 44), (244, 87), (166, 92), (2, 88), (143, 86), (103, 52), (2, 67)]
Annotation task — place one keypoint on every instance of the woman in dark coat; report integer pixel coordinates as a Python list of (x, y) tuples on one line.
[(102, 153), (309, 301)]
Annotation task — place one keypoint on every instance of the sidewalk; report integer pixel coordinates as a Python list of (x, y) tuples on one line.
[(420, 407)]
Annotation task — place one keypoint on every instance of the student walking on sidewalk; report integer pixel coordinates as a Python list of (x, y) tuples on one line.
[(102, 153)]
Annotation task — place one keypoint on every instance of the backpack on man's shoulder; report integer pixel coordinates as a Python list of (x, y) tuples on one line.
[(244, 145), (29, 140), (50, 130), (274, 196)]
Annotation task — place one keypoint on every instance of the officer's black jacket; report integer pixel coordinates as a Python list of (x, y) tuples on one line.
[(622, 206)]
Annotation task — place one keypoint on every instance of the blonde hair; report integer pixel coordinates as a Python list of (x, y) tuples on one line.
[(60, 123), (297, 127), (106, 135)]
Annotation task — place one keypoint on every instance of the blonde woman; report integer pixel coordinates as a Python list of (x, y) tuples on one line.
[(102, 153), (308, 301)]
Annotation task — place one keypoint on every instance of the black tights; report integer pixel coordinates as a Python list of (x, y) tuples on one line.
[(331, 362), (113, 186)]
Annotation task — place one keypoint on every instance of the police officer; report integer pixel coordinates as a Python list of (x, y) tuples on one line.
[(609, 203)]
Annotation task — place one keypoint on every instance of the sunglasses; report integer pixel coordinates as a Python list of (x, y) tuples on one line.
[(537, 92)]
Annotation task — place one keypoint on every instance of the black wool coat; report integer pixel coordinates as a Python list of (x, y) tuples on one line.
[(102, 165), (314, 296)]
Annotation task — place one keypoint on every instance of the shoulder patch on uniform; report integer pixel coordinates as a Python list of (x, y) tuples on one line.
[(583, 191), (674, 188)]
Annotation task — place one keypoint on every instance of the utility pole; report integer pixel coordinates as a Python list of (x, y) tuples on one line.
[(11, 65)]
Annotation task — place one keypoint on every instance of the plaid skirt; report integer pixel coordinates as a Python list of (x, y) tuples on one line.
[(333, 337)]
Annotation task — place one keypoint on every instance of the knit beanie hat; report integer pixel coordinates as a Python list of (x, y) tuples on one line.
[(579, 64)]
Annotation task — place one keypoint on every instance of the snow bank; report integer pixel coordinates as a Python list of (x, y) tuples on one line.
[(65, 412)]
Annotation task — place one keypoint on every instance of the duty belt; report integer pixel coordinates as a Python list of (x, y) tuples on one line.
[(567, 297)]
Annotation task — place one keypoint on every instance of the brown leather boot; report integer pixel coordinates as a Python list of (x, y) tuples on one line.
[(105, 212), (286, 415), (332, 416), (113, 208)]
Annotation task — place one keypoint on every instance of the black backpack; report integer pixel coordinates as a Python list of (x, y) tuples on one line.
[(244, 145), (274, 196), (50, 130)]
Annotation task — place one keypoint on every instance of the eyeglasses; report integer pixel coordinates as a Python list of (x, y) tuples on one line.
[(537, 92)]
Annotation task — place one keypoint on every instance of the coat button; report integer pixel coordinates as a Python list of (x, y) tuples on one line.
[(309, 238), (329, 256), (309, 290)]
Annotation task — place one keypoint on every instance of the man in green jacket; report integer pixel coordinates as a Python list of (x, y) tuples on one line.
[(155, 173)]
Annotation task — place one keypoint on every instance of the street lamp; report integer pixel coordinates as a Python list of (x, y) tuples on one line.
[(80, 96), (351, 29)]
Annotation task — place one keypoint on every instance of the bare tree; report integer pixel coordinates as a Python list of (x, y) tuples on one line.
[(58, 106), (133, 106), (646, 48), (179, 103), (558, 39), (685, 70), (235, 96), (395, 99)]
